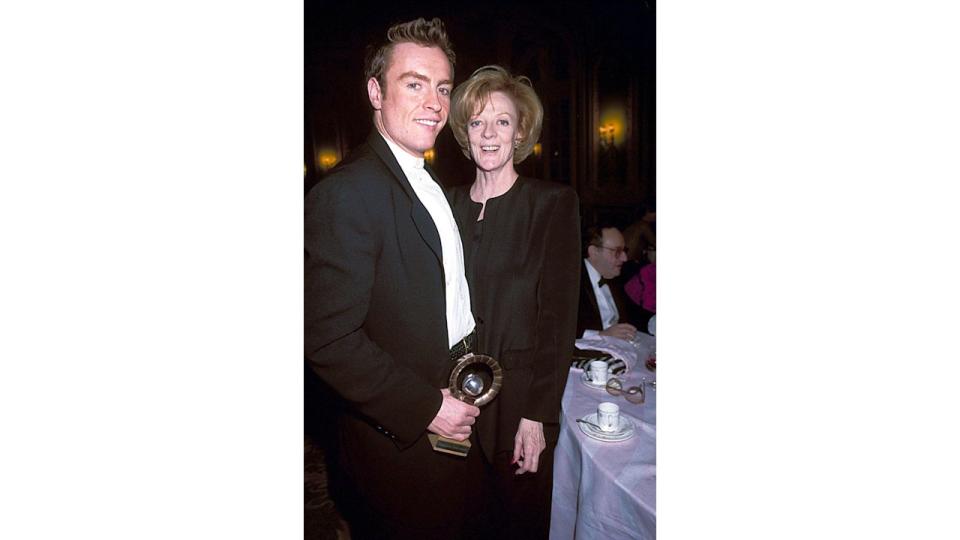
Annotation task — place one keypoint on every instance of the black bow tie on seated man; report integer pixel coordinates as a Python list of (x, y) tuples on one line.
[(603, 281)]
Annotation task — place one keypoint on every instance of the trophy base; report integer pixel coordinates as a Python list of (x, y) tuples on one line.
[(449, 446)]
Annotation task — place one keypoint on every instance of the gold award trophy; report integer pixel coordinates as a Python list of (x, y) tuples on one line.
[(475, 379)]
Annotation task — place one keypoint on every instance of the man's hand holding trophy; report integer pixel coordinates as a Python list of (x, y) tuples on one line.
[(475, 381)]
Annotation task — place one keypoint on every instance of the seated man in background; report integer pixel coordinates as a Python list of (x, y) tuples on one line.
[(603, 304)]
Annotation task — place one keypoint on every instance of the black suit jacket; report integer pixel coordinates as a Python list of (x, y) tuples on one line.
[(522, 273), (375, 328), (588, 313)]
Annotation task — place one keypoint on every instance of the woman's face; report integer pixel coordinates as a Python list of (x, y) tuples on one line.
[(492, 133)]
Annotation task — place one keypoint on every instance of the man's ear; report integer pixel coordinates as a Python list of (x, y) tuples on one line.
[(591, 250), (373, 92)]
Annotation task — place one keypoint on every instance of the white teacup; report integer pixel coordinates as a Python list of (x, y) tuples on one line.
[(608, 416), (598, 372)]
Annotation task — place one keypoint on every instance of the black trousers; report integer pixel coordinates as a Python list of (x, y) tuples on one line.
[(516, 506), (367, 522)]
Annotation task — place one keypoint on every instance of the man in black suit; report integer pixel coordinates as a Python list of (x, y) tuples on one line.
[(387, 308), (604, 308)]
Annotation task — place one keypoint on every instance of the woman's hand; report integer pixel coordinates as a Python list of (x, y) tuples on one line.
[(527, 445)]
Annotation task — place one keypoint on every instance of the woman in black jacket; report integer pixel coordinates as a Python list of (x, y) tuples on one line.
[(522, 253)]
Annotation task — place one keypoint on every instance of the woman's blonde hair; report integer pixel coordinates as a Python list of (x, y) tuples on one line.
[(470, 97)]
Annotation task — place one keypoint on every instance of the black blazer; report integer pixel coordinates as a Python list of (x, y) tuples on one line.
[(588, 313), (375, 326), (522, 274)]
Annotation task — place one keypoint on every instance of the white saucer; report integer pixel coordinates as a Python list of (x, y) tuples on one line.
[(591, 384), (625, 432)]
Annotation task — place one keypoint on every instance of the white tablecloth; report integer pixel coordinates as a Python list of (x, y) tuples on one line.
[(607, 490)]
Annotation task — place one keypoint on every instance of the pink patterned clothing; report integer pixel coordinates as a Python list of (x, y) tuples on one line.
[(642, 288)]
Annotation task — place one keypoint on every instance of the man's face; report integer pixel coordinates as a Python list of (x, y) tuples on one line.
[(608, 258), (414, 106)]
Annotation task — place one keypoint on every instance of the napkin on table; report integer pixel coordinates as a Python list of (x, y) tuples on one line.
[(582, 359)]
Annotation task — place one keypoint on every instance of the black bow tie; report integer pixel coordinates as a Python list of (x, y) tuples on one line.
[(603, 281)]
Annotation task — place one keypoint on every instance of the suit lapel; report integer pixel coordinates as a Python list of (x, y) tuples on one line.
[(590, 294), (418, 212)]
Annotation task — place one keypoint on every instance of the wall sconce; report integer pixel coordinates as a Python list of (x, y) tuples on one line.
[(327, 159), (537, 150), (608, 133), (430, 156), (613, 125)]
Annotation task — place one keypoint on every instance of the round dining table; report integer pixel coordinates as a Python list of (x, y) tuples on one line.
[(601, 489)]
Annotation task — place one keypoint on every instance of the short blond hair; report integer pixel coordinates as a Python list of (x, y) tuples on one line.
[(470, 97)]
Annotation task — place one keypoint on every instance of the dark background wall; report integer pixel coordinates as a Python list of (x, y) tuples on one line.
[(591, 63)]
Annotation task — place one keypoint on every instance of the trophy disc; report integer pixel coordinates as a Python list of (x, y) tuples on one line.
[(476, 379)]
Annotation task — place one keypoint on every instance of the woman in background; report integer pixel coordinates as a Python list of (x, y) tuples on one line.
[(642, 288), (521, 238), (638, 237)]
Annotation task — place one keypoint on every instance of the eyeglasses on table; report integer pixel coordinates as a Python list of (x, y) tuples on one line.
[(633, 394)]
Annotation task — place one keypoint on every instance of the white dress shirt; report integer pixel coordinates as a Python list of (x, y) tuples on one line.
[(459, 317), (609, 315)]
